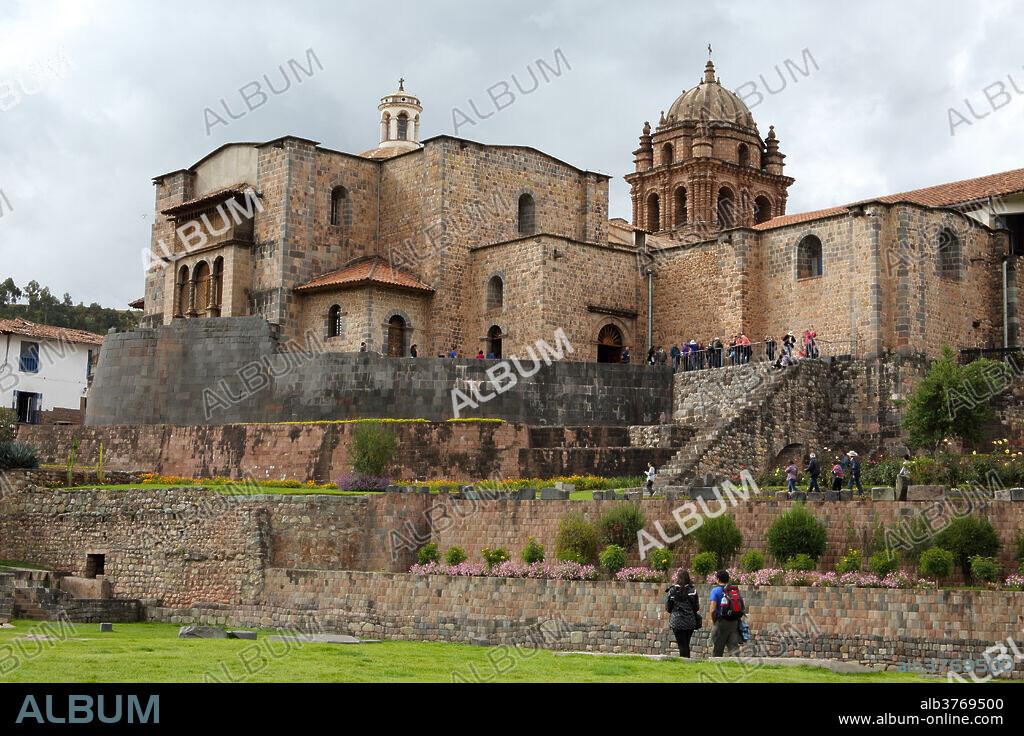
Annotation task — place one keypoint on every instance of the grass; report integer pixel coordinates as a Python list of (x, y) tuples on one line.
[(9, 564), (151, 652)]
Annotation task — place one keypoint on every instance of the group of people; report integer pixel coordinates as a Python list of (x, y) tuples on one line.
[(727, 612), (846, 467), (694, 356)]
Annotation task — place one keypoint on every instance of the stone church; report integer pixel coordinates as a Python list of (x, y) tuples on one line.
[(449, 244)]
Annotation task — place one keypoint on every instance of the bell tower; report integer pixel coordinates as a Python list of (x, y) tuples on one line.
[(400, 120)]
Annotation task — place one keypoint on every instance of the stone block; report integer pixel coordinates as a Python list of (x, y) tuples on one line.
[(480, 641), (1010, 494), (106, 627), (673, 494), (634, 495), (526, 494), (815, 496), (202, 632), (781, 495), (553, 494), (798, 496), (602, 495), (565, 486), (241, 634), (845, 495), (926, 493), (832, 496), (883, 494), (395, 489), (708, 493)]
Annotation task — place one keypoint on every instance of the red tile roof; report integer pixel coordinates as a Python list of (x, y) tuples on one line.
[(218, 196), (45, 332), (374, 270), (139, 303), (941, 195)]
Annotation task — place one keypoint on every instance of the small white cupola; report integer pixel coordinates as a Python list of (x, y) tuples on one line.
[(400, 120)]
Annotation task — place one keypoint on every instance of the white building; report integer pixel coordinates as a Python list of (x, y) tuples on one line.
[(45, 371)]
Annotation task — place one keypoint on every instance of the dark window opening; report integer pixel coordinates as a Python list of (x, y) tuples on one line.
[(809, 258), (527, 214), (653, 213), (609, 345), (94, 565)]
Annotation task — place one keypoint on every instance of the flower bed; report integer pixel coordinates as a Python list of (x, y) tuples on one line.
[(775, 576), (511, 569), (1015, 582)]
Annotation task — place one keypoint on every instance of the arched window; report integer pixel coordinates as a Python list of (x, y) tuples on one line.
[(950, 255), (808, 258), (403, 126), (609, 345), (744, 155), (217, 286), (495, 294), (386, 121), (339, 197), (762, 209), (726, 208), (653, 213), (666, 154), (334, 321), (494, 342), (396, 337), (527, 214), (680, 206), (181, 293), (201, 276)]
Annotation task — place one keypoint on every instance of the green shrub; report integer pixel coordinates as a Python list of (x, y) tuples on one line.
[(704, 564), (428, 553), (801, 562), (1020, 547), (455, 555), (372, 448), (532, 552), (661, 559), (494, 556), (966, 537), (613, 558), (620, 525), (752, 561), (796, 532), (8, 425), (850, 562), (937, 562), (721, 536), (576, 540), (984, 569), (17, 455), (882, 563)]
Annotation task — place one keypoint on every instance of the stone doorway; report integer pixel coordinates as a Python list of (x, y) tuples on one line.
[(396, 337), (609, 345), (494, 342)]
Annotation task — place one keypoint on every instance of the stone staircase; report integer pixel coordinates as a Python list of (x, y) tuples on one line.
[(735, 398)]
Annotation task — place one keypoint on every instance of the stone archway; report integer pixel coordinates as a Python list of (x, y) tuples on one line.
[(609, 344), (396, 337)]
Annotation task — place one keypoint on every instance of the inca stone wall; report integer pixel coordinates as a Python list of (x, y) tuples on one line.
[(870, 626), (218, 371)]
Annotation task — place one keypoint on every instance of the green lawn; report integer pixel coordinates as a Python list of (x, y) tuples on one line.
[(152, 653), (8, 564)]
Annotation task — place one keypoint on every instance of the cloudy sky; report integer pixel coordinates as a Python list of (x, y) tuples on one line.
[(77, 156)]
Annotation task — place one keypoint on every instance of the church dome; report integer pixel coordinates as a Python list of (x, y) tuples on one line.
[(716, 102)]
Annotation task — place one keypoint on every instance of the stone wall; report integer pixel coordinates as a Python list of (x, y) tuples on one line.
[(6, 597), (870, 626), (467, 451), (194, 544), (217, 371)]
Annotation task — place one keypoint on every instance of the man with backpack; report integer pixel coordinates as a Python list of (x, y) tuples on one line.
[(727, 608)]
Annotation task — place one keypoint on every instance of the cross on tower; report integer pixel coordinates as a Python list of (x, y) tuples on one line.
[(401, 83)]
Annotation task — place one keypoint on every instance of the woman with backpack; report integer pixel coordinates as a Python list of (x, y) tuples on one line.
[(683, 605)]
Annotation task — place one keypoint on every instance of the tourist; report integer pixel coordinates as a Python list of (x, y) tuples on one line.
[(903, 479), (697, 355), (625, 355), (480, 355), (733, 355), (855, 471), (769, 347), (787, 344), (791, 476), (745, 349), (661, 357), (685, 356), (412, 351), (814, 470), (786, 361), (650, 478), (716, 353), (650, 355), (844, 462), (726, 611), (453, 354), (676, 355), (362, 347), (837, 476), (683, 605)]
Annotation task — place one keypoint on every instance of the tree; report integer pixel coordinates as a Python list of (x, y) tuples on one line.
[(966, 537), (721, 536), (9, 292), (372, 448), (950, 402)]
